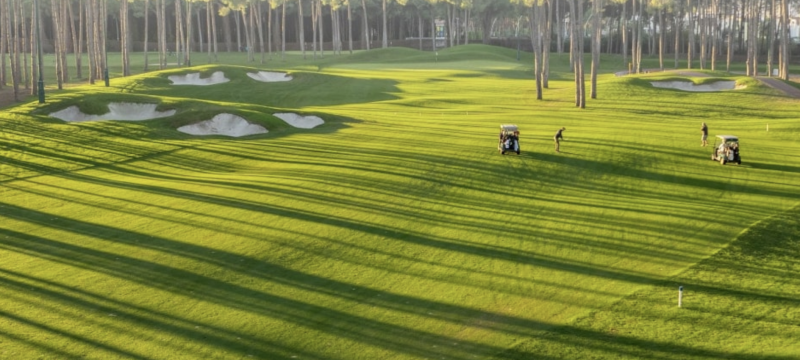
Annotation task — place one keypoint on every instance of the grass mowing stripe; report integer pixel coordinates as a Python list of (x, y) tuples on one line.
[(740, 303)]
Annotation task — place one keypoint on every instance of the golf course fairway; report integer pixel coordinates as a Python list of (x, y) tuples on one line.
[(395, 229)]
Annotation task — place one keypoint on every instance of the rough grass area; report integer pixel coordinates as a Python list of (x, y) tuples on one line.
[(396, 230)]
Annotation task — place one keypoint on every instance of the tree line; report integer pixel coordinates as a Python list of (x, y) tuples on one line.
[(703, 33)]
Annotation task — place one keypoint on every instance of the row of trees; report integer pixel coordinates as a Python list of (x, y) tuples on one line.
[(702, 31)]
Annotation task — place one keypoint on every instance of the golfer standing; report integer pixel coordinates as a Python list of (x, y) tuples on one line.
[(704, 130), (558, 137)]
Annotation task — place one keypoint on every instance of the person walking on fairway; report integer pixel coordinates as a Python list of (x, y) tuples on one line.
[(557, 137), (704, 130)]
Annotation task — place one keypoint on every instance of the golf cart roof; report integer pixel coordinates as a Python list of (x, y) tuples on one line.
[(508, 127), (727, 138)]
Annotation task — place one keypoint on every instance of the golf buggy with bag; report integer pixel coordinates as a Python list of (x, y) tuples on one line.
[(726, 149), (509, 139)]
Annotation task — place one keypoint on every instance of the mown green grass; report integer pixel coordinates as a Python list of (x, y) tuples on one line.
[(739, 304), (395, 230)]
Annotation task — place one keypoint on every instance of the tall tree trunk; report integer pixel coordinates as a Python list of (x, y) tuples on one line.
[(23, 40), (269, 30), (771, 39), (548, 38), (639, 29), (105, 38), (79, 49), (17, 49), (213, 37), (90, 39), (321, 29), (534, 14), (76, 34), (690, 46), (350, 28), (678, 29), (661, 36), (33, 53), (715, 13), (466, 26), (596, 43), (784, 58), (703, 22), (301, 28), (226, 28), (187, 43), (125, 38), (146, 33), (260, 23), (162, 33), (4, 39), (201, 41), (576, 19), (384, 39), (366, 24), (560, 28), (420, 33), (63, 14), (237, 22), (179, 33), (13, 47), (731, 29), (283, 31), (334, 31), (625, 35), (55, 11), (314, 16), (243, 23)]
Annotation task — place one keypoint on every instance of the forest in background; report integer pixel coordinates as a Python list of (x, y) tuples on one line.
[(703, 33)]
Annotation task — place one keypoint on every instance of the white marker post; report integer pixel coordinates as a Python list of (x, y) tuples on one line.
[(680, 296)]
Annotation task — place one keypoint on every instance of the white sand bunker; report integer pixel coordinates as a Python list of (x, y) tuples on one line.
[(303, 122), (223, 124), (266, 76), (690, 86), (194, 79), (117, 111)]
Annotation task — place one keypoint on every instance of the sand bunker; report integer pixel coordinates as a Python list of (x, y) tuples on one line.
[(117, 111), (224, 124), (266, 76), (303, 122), (194, 79), (690, 86)]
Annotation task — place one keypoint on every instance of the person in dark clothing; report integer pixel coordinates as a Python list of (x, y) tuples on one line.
[(704, 130), (558, 137)]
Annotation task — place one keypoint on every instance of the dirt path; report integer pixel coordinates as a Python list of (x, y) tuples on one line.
[(787, 89)]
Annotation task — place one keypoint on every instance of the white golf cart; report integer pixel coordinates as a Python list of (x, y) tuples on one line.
[(509, 139), (726, 149)]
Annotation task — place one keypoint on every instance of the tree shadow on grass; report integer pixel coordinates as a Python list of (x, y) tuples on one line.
[(772, 167), (390, 337)]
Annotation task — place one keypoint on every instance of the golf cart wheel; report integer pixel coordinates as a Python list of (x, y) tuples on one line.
[(517, 152), (502, 153), (739, 162)]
